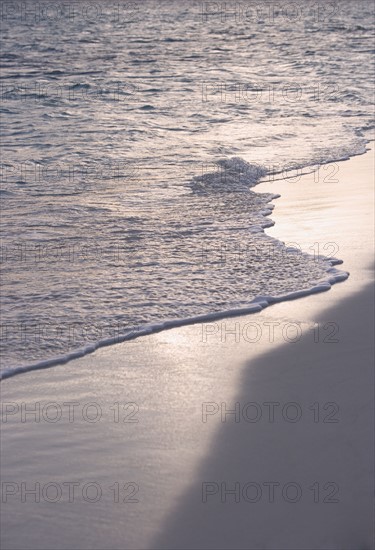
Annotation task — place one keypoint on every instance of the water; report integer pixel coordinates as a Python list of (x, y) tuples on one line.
[(133, 135)]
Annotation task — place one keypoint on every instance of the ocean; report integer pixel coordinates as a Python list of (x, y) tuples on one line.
[(133, 137)]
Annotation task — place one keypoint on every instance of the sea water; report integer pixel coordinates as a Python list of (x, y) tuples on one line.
[(133, 138)]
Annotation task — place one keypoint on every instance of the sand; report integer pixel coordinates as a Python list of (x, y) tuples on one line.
[(292, 468)]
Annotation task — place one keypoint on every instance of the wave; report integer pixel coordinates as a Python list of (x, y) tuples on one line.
[(229, 175), (237, 175), (255, 306)]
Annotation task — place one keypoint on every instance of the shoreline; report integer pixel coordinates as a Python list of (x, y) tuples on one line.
[(171, 451), (255, 306)]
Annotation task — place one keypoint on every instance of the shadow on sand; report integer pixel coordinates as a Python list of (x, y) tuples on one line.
[(303, 481)]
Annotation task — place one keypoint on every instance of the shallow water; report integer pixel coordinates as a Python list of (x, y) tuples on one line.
[(132, 136)]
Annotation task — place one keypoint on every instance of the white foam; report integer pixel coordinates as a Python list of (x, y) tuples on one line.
[(256, 305)]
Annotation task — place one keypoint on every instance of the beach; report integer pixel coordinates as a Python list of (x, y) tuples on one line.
[(249, 432)]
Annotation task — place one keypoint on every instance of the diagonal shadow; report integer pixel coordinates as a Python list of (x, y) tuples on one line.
[(332, 444)]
